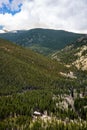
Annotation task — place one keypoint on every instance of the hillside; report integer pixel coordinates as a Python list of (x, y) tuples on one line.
[(44, 41), (22, 69), (74, 54)]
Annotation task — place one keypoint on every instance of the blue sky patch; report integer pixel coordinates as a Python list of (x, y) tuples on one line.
[(10, 1), (6, 9)]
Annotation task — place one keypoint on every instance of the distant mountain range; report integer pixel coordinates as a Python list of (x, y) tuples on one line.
[(44, 41)]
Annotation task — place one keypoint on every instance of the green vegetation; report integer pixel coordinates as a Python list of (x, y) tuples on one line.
[(16, 111), (31, 82), (81, 107), (22, 69), (26, 103)]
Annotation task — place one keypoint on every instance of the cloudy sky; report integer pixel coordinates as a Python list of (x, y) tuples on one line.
[(68, 15)]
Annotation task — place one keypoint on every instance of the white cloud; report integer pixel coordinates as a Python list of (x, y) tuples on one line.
[(57, 14)]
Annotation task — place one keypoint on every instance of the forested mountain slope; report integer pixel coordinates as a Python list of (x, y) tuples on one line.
[(21, 68)]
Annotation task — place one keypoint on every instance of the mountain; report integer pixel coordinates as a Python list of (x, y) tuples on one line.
[(74, 54), (44, 41)]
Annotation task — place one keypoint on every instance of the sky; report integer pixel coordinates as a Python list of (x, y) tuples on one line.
[(70, 15)]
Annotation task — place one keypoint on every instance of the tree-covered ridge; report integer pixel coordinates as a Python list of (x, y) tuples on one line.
[(44, 41)]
